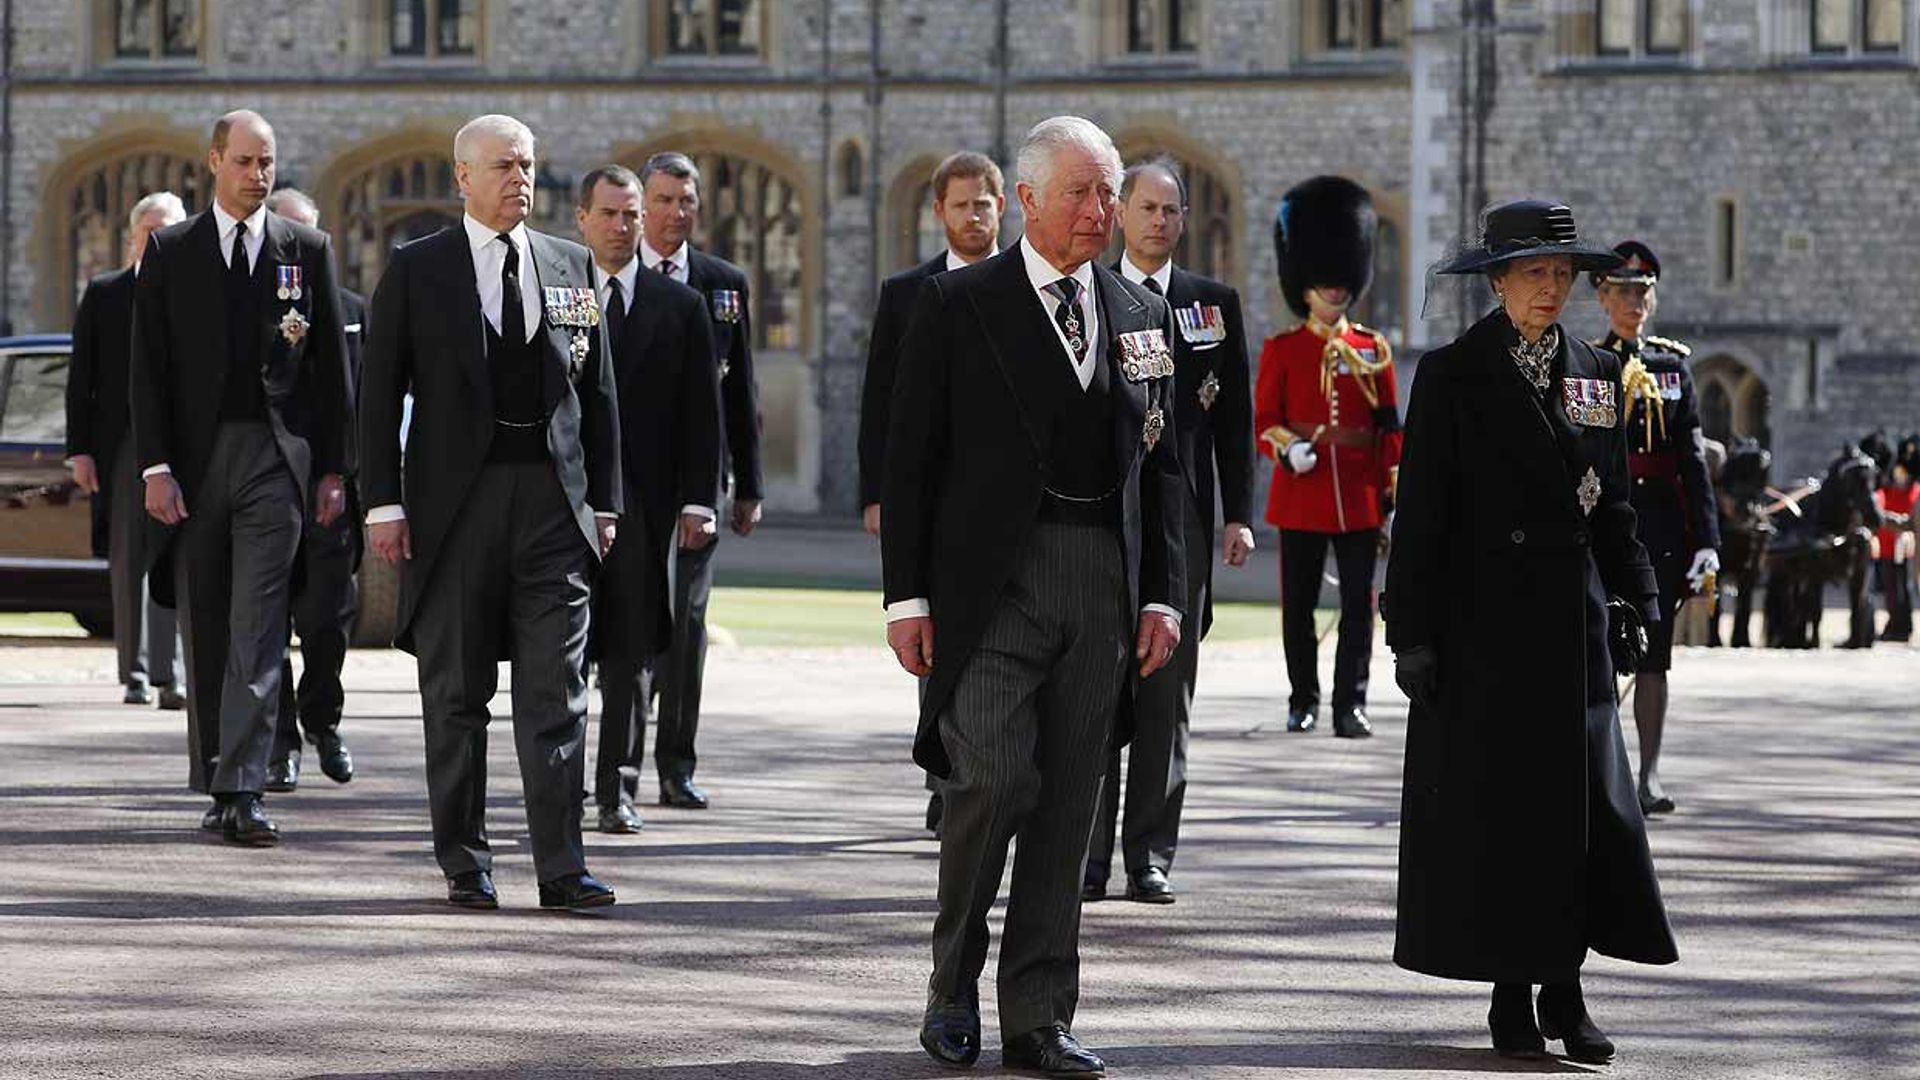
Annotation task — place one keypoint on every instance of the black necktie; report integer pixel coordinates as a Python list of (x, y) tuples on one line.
[(1153, 286), (665, 266), (1067, 316), (616, 313), (513, 317), (237, 266)]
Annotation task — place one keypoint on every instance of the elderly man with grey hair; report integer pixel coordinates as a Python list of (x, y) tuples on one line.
[(506, 501), (1034, 516), (146, 635)]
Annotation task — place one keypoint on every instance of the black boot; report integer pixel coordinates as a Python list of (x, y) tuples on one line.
[(1563, 1016), (1511, 1021)]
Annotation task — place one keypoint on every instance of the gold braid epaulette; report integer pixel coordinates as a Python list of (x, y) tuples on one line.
[(1338, 349), (1638, 384)]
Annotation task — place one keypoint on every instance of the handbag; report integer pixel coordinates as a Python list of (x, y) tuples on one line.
[(1626, 636)]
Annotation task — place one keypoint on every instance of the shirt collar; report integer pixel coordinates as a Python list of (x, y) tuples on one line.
[(1041, 273), (653, 258), (954, 261), (1164, 275), (256, 222), (626, 276), (479, 236)]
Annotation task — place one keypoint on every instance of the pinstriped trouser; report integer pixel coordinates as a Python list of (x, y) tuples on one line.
[(1027, 734)]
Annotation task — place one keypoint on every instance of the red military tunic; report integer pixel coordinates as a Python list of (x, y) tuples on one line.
[(1332, 386)]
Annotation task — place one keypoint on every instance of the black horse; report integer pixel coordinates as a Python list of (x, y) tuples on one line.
[(1746, 529), (1830, 539)]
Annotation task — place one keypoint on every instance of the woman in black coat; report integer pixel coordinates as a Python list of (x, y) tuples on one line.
[(1522, 845)]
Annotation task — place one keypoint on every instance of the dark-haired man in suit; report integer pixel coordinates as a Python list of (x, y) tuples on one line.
[(662, 348), (1033, 506), (241, 423), (510, 494)]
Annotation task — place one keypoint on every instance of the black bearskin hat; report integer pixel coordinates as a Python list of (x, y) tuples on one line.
[(1323, 236)]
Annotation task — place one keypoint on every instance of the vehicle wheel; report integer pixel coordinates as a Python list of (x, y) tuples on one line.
[(96, 623), (379, 617)]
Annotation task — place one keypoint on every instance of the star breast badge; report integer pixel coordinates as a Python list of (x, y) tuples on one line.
[(1589, 491)]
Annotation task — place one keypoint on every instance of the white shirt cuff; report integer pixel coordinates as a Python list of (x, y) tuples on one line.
[(380, 515), (916, 608), (1164, 610), (707, 512), (161, 469), (604, 515)]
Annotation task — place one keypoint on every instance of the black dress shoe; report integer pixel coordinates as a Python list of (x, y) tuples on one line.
[(621, 820), (246, 822), (215, 819), (137, 695), (1352, 724), (334, 759), (936, 807), (1301, 720), (1050, 1051), (473, 889), (1511, 1022), (950, 1030), (1092, 892), (284, 774), (575, 892), (171, 699), (682, 794), (1149, 886), (1563, 1016)]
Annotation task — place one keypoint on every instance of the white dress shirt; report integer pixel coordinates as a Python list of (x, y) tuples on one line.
[(626, 276), (955, 262), (653, 259), (256, 239), (1041, 274), (1162, 277)]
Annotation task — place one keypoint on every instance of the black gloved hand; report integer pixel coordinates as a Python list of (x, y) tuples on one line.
[(1417, 671), (1626, 636)]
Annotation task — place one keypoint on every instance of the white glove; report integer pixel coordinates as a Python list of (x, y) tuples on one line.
[(1301, 458), (1705, 561)]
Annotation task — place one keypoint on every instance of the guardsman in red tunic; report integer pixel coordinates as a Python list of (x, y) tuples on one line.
[(1326, 412)]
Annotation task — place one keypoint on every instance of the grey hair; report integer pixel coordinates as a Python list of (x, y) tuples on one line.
[(480, 127), (307, 212), (165, 202), (1162, 162), (1034, 163), (674, 164)]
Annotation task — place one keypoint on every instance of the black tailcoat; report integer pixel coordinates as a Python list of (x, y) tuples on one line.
[(1521, 843), (890, 315), (97, 385), (428, 336), (669, 387), (733, 350), (967, 453)]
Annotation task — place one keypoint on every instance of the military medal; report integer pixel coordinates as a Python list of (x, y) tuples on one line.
[(1209, 390), (1201, 324), (577, 310), (727, 305), (1588, 492), (293, 326), (287, 282), (1156, 422), (1590, 402), (1144, 354)]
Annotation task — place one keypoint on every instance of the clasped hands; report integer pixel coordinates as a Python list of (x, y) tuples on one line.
[(911, 640)]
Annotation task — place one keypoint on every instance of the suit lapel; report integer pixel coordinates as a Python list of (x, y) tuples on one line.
[(203, 243), (1529, 423), (466, 322), (554, 273), (1120, 313), (1022, 343), (643, 320), (276, 249)]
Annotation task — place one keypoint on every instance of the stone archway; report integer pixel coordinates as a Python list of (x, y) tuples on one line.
[(1212, 244), (1734, 400), (379, 196)]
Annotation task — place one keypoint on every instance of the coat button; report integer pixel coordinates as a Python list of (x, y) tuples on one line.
[(1519, 537), (1580, 537)]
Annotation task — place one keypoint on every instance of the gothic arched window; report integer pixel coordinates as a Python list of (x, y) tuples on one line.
[(750, 215), (95, 229), (400, 199)]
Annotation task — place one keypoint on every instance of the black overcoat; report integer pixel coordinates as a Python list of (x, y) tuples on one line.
[(967, 446), (97, 386), (712, 277), (890, 315), (1522, 844)]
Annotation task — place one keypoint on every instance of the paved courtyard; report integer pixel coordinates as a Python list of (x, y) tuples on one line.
[(782, 934)]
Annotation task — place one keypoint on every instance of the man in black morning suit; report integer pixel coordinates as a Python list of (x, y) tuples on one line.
[(969, 197), (146, 634), (241, 423), (669, 385), (323, 611), (1213, 428), (1033, 506), (508, 500), (670, 185)]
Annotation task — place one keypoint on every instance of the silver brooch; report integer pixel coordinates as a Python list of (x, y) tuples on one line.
[(1589, 491), (1535, 358)]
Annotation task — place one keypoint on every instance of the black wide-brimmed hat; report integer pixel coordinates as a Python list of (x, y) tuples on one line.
[(1323, 237), (1518, 230), (1638, 266)]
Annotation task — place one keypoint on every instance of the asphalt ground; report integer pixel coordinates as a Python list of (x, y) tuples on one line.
[(783, 933)]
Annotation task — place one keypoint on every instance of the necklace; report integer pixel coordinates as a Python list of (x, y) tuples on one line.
[(1535, 358)]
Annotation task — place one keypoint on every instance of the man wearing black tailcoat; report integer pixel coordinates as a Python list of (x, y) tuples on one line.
[(670, 185), (1034, 517), (508, 502), (1213, 428), (242, 425), (662, 347)]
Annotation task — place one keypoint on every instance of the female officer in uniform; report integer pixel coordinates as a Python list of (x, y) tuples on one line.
[(1521, 845)]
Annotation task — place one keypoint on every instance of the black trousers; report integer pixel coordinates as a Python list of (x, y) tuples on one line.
[(323, 617), (1303, 557), (626, 691), (233, 567), (511, 581), (679, 673), (1156, 786), (1896, 589), (1027, 734), (146, 635)]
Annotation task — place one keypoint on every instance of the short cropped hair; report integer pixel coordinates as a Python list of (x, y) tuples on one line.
[(1034, 164), (278, 200), (617, 175), (165, 202), (480, 127), (674, 164), (1158, 161), (967, 165), (223, 127)]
